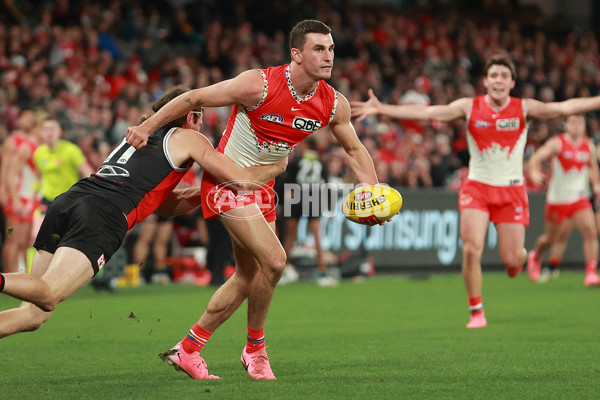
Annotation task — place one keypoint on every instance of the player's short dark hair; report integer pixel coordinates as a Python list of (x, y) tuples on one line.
[(298, 33), (501, 59), (164, 99)]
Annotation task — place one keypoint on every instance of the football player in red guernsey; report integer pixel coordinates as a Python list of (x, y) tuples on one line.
[(86, 225), (574, 167), (494, 190), (274, 109)]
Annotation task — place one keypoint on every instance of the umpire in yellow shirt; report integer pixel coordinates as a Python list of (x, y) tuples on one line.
[(60, 164)]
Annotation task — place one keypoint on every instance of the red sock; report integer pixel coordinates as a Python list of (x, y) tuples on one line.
[(475, 305), (195, 339), (591, 266), (255, 340), (554, 262), (1, 282)]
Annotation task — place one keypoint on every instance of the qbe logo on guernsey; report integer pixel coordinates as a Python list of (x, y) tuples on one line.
[(510, 124), (304, 124)]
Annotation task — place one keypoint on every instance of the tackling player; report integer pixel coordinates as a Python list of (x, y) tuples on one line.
[(87, 224)]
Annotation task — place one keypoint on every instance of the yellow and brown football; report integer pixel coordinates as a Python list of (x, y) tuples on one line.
[(372, 204)]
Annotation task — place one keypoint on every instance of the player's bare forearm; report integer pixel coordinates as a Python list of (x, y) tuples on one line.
[(262, 174), (250, 178), (449, 112), (179, 106), (362, 166), (404, 111), (180, 201), (581, 105)]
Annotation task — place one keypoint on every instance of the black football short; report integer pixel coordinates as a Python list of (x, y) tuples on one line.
[(84, 222)]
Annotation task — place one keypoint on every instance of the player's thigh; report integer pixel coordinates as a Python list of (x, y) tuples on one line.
[(248, 228), (511, 238), (68, 271), (584, 219), (164, 230), (147, 230), (41, 261), (473, 226), (563, 230), (21, 232)]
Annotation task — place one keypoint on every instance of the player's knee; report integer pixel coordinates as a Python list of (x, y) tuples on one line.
[(47, 306), (472, 252), (589, 234), (49, 301), (512, 260), (276, 265)]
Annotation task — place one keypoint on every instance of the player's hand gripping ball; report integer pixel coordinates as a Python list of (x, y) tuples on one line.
[(372, 204)]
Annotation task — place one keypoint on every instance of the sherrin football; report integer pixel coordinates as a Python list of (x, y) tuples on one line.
[(372, 204)]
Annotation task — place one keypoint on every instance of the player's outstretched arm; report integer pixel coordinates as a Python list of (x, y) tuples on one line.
[(537, 109), (373, 106), (246, 89), (221, 167), (548, 149), (186, 144), (180, 201)]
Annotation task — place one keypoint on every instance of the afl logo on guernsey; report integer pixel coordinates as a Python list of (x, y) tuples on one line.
[(308, 125), (275, 118), (482, 124), (511, 124)]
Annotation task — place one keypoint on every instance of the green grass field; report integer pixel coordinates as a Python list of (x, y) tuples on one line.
[(387, 338)]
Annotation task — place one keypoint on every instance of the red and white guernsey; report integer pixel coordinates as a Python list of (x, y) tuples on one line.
[(570, 174), (496, 140), (27, 180), (265, 134), (269, 131)]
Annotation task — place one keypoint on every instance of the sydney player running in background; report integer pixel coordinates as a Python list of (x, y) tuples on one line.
[(574, 166), (494, 190)]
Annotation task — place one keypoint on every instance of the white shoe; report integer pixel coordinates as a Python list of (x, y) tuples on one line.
[(327, 281), (289, 275), (546, 274)]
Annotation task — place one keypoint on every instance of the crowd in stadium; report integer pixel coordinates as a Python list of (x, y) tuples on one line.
[(98, 65)]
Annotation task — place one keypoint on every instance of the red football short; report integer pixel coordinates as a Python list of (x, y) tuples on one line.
[(556, 213), (217, 199), (23, 212), (504, 204)]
